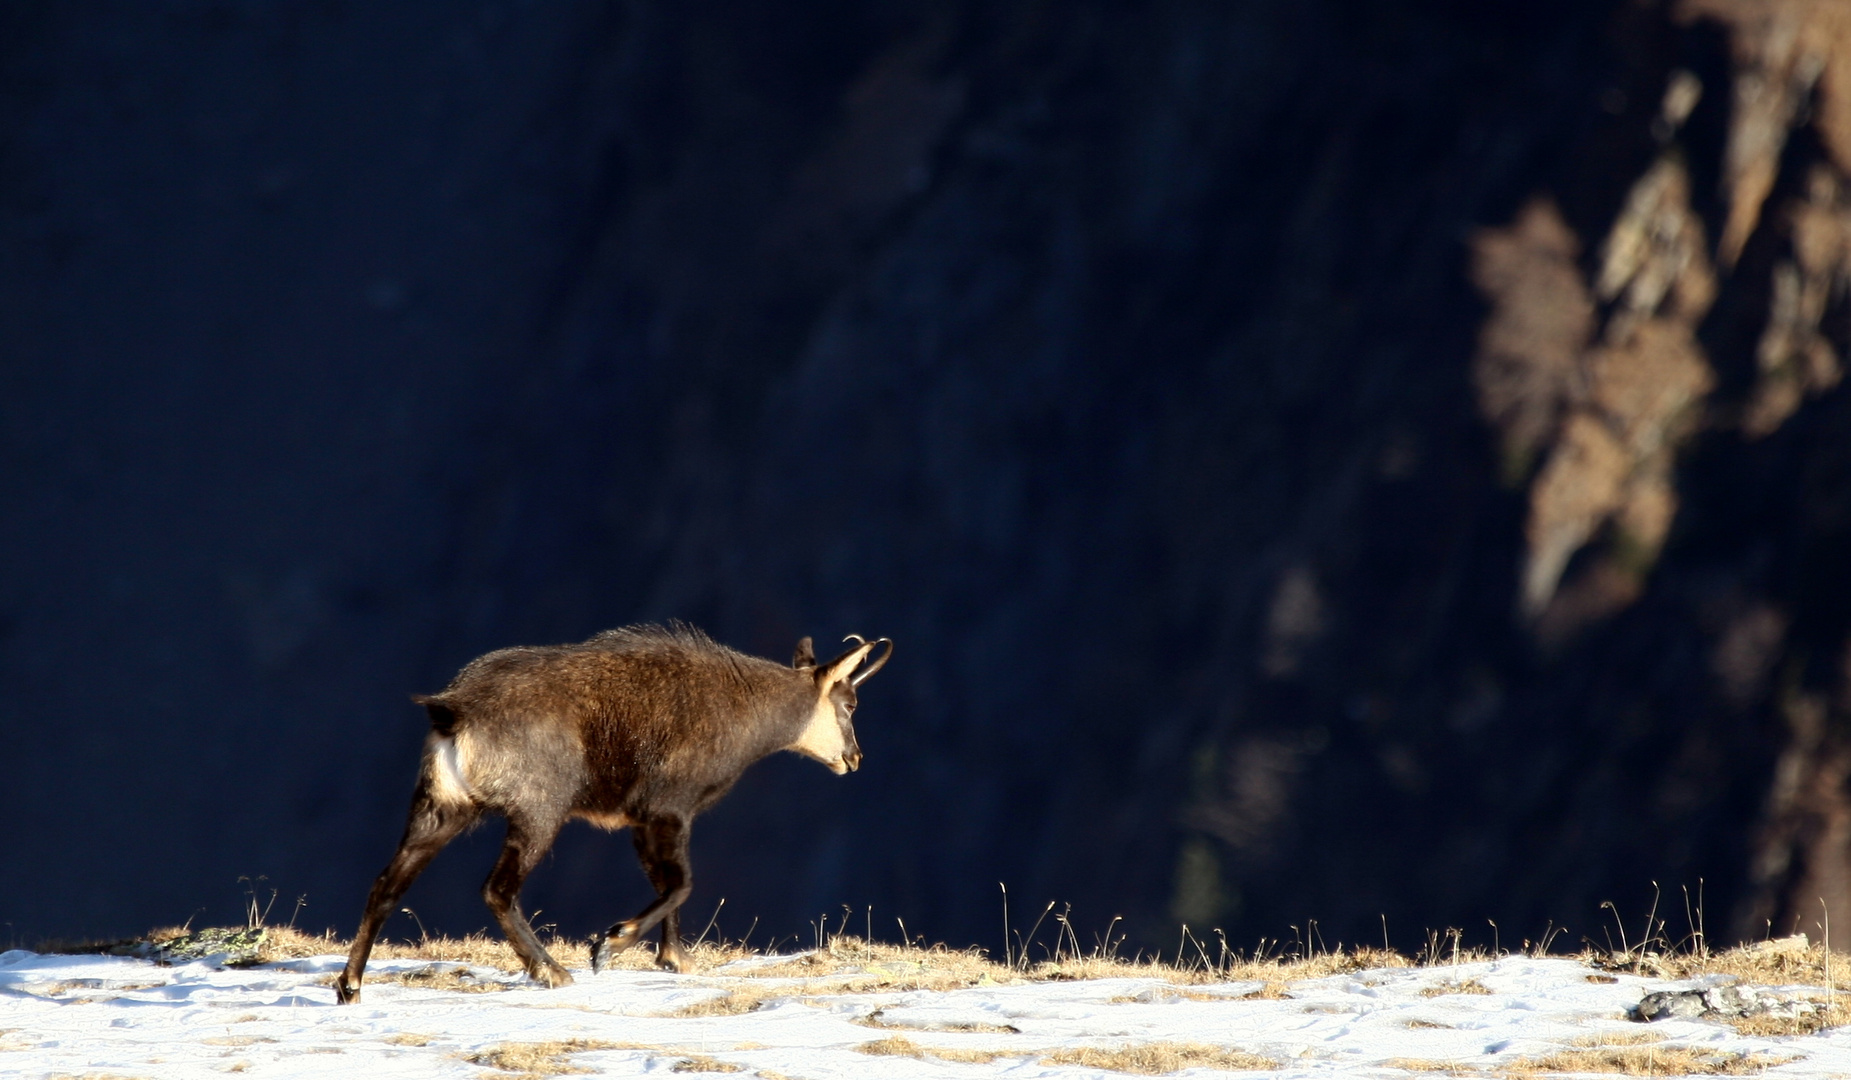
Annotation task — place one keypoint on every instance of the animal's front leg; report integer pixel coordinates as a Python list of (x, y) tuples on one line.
[(665, 859), (662, 848), (670, 955)]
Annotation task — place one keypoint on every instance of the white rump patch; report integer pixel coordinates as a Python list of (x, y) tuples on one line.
[(447, 783)]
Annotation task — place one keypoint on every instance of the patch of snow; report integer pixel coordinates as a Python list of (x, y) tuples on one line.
[(129, 1017)]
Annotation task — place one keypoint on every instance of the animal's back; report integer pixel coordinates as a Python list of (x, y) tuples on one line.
[(681, 706), (592, 722), (632, 672)]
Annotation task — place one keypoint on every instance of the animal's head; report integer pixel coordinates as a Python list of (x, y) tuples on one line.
[(829, 737)]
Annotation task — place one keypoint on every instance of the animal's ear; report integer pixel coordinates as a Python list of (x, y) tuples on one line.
[(806, 654), (842, 666)]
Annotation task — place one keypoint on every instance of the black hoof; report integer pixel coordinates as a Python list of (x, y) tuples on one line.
[(344, 994)]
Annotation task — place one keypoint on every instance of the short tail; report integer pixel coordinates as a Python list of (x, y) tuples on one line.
[(443, 718)]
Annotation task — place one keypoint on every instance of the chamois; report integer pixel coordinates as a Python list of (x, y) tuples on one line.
[(644, 726)]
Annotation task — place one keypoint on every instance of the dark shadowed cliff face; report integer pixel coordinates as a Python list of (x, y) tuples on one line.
[(1333, 461)]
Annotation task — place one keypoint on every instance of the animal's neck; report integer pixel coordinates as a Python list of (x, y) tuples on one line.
[(791, 715), (781, 708)]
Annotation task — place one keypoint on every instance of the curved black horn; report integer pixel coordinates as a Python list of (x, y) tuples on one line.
[(876, 665), (838, 667)]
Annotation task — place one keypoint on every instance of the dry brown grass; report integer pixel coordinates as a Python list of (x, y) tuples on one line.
[(895, 964), (732, 1002), (1777, 962), (1828, 1013), (481, 950), (939, 967), (1430, 1025), (893, 1046), (1268, 972), (700, 1063), (1160, 995), (1158, 1058), (1620, 1038), (540, 1058), (901, 1046), (531, 1061), (1450, 1068), (747, 998), (408, 1038), (972, 1057), (1639, 1057), (1469, 986), (98, 986), (876, 1019), (844, 963), (1147, 1059), (849, 966), (1656, 1060), (887, 982), (441, 977), (69, 985), (477, 950)]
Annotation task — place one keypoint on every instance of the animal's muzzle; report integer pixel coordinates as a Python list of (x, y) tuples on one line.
[(852, 759)]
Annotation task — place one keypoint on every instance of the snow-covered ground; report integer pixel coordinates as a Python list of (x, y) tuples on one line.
[(119, 1017)]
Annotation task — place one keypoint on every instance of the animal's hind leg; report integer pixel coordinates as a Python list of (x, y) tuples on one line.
[(432, 824), (527, 841), (662, 845)]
